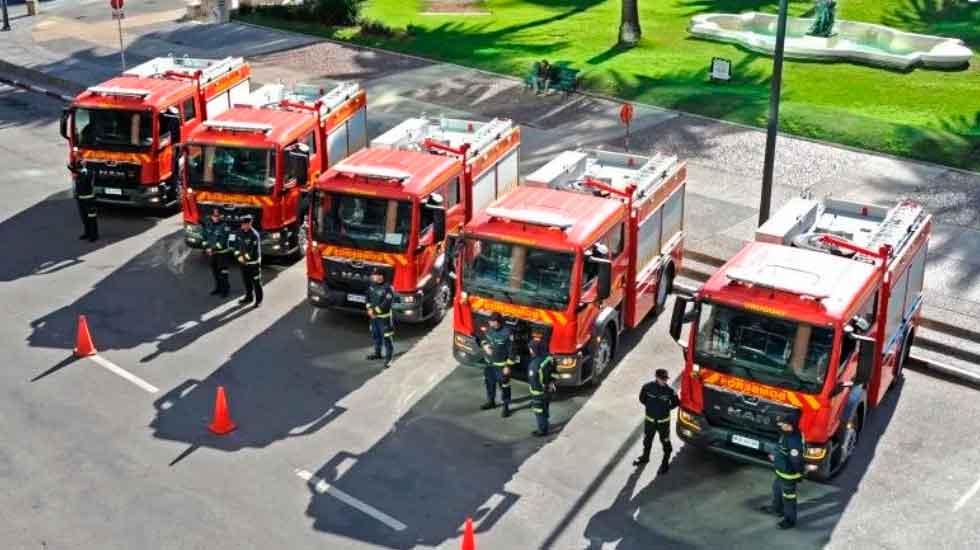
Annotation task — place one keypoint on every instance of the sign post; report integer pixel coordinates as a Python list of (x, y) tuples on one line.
[(6, 17), (626, 117), (117, 14)]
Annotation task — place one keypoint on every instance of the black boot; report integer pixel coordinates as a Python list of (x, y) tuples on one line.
[(374, 356), (641, 461), (506, 411), (245, 300), (487, 406), (215, 292)]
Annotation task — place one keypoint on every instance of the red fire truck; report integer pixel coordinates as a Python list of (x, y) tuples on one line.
[(393, 206), (261, 157), (586, 249), (817, 314), (125, 129)]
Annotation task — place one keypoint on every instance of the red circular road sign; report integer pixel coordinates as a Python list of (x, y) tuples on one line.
[(625, 114), (116, 4)]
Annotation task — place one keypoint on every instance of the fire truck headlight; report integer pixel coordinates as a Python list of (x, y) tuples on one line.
[(815, 453), (153, 190), (567, 362), (462, 342), (274, 236), (688, 420), (696, 371), (408, 299)]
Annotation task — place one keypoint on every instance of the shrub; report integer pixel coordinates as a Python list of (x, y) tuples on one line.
[(373, 27), (340, 13)]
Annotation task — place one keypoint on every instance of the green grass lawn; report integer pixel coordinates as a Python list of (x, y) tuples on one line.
[(924, 114)]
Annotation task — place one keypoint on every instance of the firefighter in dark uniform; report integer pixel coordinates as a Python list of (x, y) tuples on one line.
[(85, 197), (497, 344), (248, 252), (539, 376), (380, 297), (658, 398), (217, 248), (787, 464)]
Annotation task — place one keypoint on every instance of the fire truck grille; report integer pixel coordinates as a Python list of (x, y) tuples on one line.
[(116, 175), (232, 213), (353, 275), (743, 413)]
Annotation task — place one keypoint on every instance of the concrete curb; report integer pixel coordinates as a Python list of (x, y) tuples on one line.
[(35, 88), (940, 370), (38, 78)]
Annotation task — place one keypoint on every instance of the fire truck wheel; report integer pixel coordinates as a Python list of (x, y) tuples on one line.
[(849, 436), (602, 357), (440, 303), (664, 286)]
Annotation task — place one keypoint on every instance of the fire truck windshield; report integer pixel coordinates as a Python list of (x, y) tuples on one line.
[(775, 351), (362, 222), (113, 129), (519, 274), (236, 169)]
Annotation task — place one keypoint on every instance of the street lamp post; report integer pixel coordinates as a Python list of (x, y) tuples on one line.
[(777, 82), (6, 18)]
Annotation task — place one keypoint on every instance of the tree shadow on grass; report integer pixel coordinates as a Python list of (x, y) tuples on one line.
[(955, 18)]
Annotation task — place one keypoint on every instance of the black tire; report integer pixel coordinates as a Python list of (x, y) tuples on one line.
[(903, 358), (602, 356), (850, 437), (442, 300)]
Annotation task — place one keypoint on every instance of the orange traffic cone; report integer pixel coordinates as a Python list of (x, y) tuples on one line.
[(222, 422), (83, 340), (469, 541)]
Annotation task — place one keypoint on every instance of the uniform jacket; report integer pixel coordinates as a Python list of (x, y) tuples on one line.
[(501, 342), (248, 246), (658, 401), (788, 458), (84, 188), (379, 298), (216, 236), (541, 367)]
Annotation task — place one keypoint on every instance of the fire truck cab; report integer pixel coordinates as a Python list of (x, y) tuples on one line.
[(584, 251), (261, 157), (123, 131), (395, 206), (818, 314)]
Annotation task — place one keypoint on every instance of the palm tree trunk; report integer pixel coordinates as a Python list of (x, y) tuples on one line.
[(629, 28)]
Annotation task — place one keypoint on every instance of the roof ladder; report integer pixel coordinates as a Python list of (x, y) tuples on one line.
[(897, 226)]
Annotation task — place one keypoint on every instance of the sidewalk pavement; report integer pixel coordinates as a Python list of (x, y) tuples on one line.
[(71, 46)]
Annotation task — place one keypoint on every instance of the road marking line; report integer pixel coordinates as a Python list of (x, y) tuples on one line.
[(324, 488), (967, 496), (123, 373)]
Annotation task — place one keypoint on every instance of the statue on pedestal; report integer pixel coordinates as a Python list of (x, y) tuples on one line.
[(825, 13)]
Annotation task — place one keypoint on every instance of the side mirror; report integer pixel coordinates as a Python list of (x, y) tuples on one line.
[(65, 117), (435, 203), (678, 318), (298, 164), (866, 360), (605, 281)]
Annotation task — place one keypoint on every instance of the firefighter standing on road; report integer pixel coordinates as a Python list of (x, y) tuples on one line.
[(248, 251), (216, 246), (658, 398), (539, 373), (787, 464), (497, 345), (85, 197), (380, 297)]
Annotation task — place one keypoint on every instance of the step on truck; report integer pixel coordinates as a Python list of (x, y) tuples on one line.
[(396, 205), (817, 314), (123, 131), (583, 251), (262, 156)]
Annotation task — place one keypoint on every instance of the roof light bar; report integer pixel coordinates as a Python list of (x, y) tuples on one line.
[(537, 217), (112, 90), (237, 126), (373, 172), (781, 278)]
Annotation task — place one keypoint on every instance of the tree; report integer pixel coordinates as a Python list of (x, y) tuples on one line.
[(629, 27)]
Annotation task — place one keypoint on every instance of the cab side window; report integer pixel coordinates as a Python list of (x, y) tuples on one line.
[(615, 240), (427, 217), (452, 194), (310, 141), (590, 275)]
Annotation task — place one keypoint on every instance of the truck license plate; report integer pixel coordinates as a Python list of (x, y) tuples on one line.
[(112, 191), (356, 298), (745, 442)]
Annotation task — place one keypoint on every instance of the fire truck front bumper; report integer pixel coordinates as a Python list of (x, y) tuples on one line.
[(743, 446), (160, 195), (277, 243), (194, 235)]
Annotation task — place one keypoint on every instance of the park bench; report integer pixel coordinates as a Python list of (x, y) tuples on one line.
[(564, 79)]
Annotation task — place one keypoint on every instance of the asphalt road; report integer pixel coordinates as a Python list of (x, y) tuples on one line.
[(332, 451)]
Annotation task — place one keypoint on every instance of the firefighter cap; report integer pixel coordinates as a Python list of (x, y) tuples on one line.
[(498, 318), (247, 218)]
